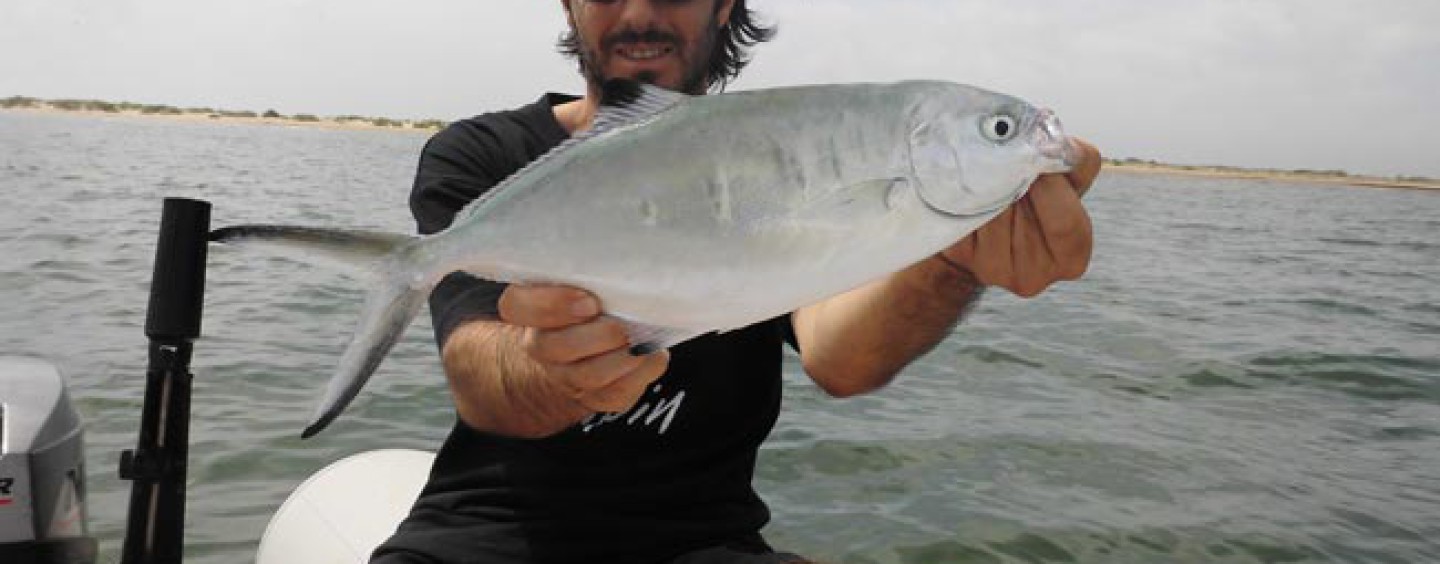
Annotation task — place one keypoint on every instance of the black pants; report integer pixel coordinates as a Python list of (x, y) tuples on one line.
[(750, 550), (726, 555)]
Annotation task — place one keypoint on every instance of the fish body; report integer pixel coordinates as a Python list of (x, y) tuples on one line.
[(686, 215)]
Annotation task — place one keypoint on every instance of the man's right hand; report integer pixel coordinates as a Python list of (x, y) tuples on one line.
[(585, 353), (550, 361)]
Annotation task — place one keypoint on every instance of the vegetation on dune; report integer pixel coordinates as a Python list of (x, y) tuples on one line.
[(91, 105), (165, 110), (19, 102)]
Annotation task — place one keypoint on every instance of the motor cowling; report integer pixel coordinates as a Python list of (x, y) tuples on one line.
[(42, 468)]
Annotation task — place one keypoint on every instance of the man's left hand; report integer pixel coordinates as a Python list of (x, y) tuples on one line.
[(1042, 238)]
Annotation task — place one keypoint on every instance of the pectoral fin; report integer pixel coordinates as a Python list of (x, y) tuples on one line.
[(840, 208)]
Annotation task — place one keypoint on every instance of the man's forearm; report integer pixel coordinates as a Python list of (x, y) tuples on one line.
[(858, 341), (499, 389)]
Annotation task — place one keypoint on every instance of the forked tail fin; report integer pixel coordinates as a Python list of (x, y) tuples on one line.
[(390, 306), (398, 290)]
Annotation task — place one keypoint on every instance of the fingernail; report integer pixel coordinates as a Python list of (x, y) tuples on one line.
[(643, 349), (585, 307)]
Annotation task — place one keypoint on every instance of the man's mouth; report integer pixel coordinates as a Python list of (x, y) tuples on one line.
[(643, 51)]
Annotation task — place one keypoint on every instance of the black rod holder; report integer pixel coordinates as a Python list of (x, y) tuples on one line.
[(155, 528)]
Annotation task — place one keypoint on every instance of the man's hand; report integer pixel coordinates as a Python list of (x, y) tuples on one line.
[(583, 353), (1041, 239)]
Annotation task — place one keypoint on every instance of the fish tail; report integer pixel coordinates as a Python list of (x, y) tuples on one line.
[(399, 286), (389, 308)]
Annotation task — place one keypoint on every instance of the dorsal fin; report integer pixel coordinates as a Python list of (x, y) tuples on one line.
[(624, 103)]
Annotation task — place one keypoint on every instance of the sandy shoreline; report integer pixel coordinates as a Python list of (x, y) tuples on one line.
[(347, 123), (1279, 176)]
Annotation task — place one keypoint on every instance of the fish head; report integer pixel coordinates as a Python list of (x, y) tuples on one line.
[(974, 152)]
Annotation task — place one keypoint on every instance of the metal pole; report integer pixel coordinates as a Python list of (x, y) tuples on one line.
[(155, 529)]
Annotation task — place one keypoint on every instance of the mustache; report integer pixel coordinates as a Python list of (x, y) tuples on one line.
[(649, 35)]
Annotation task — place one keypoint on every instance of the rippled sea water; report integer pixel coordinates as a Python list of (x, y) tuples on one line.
[(1250, 371)]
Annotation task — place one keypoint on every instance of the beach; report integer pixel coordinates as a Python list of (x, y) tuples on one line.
[(1271, 175), (134, 111)]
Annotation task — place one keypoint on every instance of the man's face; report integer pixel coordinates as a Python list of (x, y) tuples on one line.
[(667, 43)]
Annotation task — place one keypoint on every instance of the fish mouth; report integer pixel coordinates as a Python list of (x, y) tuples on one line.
[(1056, 150)]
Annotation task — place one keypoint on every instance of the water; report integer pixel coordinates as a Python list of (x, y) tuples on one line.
[(1248, 373)]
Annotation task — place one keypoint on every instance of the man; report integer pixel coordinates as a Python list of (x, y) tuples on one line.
[(569, 448)]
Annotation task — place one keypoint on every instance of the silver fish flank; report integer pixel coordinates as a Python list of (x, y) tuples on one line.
[(687, 215)]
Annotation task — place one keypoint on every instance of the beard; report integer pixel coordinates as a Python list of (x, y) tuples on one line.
[(695, 63)]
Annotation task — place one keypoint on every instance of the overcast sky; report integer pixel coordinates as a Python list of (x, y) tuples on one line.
[(1348, 84)]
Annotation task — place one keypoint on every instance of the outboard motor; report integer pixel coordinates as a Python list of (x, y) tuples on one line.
[(42, 468)]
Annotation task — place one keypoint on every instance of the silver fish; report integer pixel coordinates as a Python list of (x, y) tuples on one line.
[(687, 215)]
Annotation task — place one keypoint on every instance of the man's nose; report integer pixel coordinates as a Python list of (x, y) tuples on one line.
[(638, 14)]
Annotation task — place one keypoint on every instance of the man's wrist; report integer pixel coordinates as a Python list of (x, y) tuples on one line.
[(497, 387), (532, 395), (956, 280), (964, 275)]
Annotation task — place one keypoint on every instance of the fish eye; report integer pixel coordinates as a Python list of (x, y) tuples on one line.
[(998, 128)]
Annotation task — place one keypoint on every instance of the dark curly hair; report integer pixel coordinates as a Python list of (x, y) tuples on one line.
[(731, 52)]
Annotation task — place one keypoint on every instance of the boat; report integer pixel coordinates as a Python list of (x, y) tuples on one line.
[(42, 467)]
